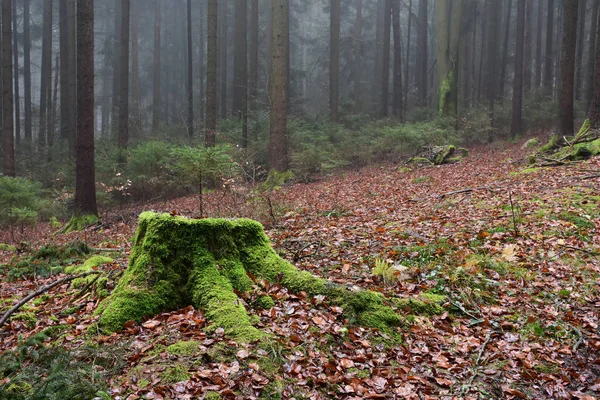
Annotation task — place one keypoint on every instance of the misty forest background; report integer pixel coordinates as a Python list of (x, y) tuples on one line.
[(126, 100)]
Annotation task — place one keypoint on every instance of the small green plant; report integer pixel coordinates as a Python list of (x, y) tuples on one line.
[(389, 272), (20, 202)]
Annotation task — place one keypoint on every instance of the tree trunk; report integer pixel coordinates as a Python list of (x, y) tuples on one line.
[(484, 34), (505, 50), (528, 50), (223, 56), (421, 67), (72, 81), (116, 89), (46, 76), (17, 101), (492, 47), (407, 62), (448, 18), (334, 59), (549, 57), (580, 45), (106, 89), (589, 86), (65, 99), (211, 73), (538, 47), (253, 67), (240, 66), (156, 70), (53, 108), (27, 72), (594, 113), (516, 127), (85, 181), (135, 68), (8, 145), (385, 72), (278, 153), (190, 72), (377, 81), (124, 76), (567, 68), (397, 109)]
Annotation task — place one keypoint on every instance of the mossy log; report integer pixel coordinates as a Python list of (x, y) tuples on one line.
[(176, 262)]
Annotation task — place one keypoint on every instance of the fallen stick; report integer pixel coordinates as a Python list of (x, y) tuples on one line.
[(467, 190), (40, 291), (586, 177)]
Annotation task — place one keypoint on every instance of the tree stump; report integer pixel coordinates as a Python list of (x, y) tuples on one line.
[(176, 262)]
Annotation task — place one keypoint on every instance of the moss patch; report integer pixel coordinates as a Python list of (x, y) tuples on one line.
[(79, 223), (8, 247), (184, 348), (176, 262), (176, 373)]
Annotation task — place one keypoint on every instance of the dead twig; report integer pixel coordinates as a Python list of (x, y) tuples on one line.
[(586, 177), (466, 387), (41, 291), (467, 190)]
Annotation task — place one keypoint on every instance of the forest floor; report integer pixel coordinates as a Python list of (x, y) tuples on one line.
[(514, 249)]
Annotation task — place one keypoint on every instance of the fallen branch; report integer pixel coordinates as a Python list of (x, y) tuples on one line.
[(41, 291), (476, 365), (467, 190), (586, 177), (590, 252), (579, 341)]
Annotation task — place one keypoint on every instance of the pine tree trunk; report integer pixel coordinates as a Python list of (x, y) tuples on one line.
[(124, 75), (240, 66), (190, 72), (590, 70), (17, 101), (156, 70), (484, 34), (211, 73), (253, 67), (407, 62), (278, 155), (448, 20), (567, 68), (549, 57), (580, 45), (491, 78), (377, 79), (72, 81), (85, 182), (105, 89), (334, 59), (135, 68), (8, 145), (528, 50), (385, 72), (46, 76), (538, 47), (65, 99), (397, 109), (223, 56), (505, 50), (27, 72), (116, 81), (516, 127), (594, 113), (421, 67)]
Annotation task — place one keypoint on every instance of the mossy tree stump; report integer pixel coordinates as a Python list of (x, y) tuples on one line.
[(176, 262)]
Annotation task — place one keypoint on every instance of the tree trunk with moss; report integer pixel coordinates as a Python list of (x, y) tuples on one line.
[(176, 262), (448, 16)]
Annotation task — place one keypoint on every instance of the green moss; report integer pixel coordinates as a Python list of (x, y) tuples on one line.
[(89, 265), (579, 222), (176, 262), (526, 171), (579, 151), (265, 302), (8, 247), (531, 144), (585, 128), (79, 223), (176, 373), (360, 373), (142, 383), (19, 388), (429, 304), (419, 161), (184, 348), (213, 396), (448, 96), (443, 156)]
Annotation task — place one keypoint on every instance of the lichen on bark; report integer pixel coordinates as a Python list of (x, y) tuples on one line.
[(176, 262)]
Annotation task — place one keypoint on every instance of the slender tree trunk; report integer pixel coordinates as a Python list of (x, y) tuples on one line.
[(580, 45), (190, 71), (378, 78), (240, 66), (517, 103), (567, 68), (135, 68), (594, 113), (385, 73), (528, 50), (549, 58), (334, 59), (538, 47), (422, 52), (27, 73), (116, 89), (8, 145), (484, 34), (16, 78), (72, 84), (53, 108), (223, 46), (65, 98), (156, 70), (407, 62), (397, 109), (46, 75), (211, 73), (105, 89), (278, 154), (85, 174), (357, 50), (492, 46), (448, 19), (589, 86), (505, 49), (124, 78), (201, 58), (253, 67)]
